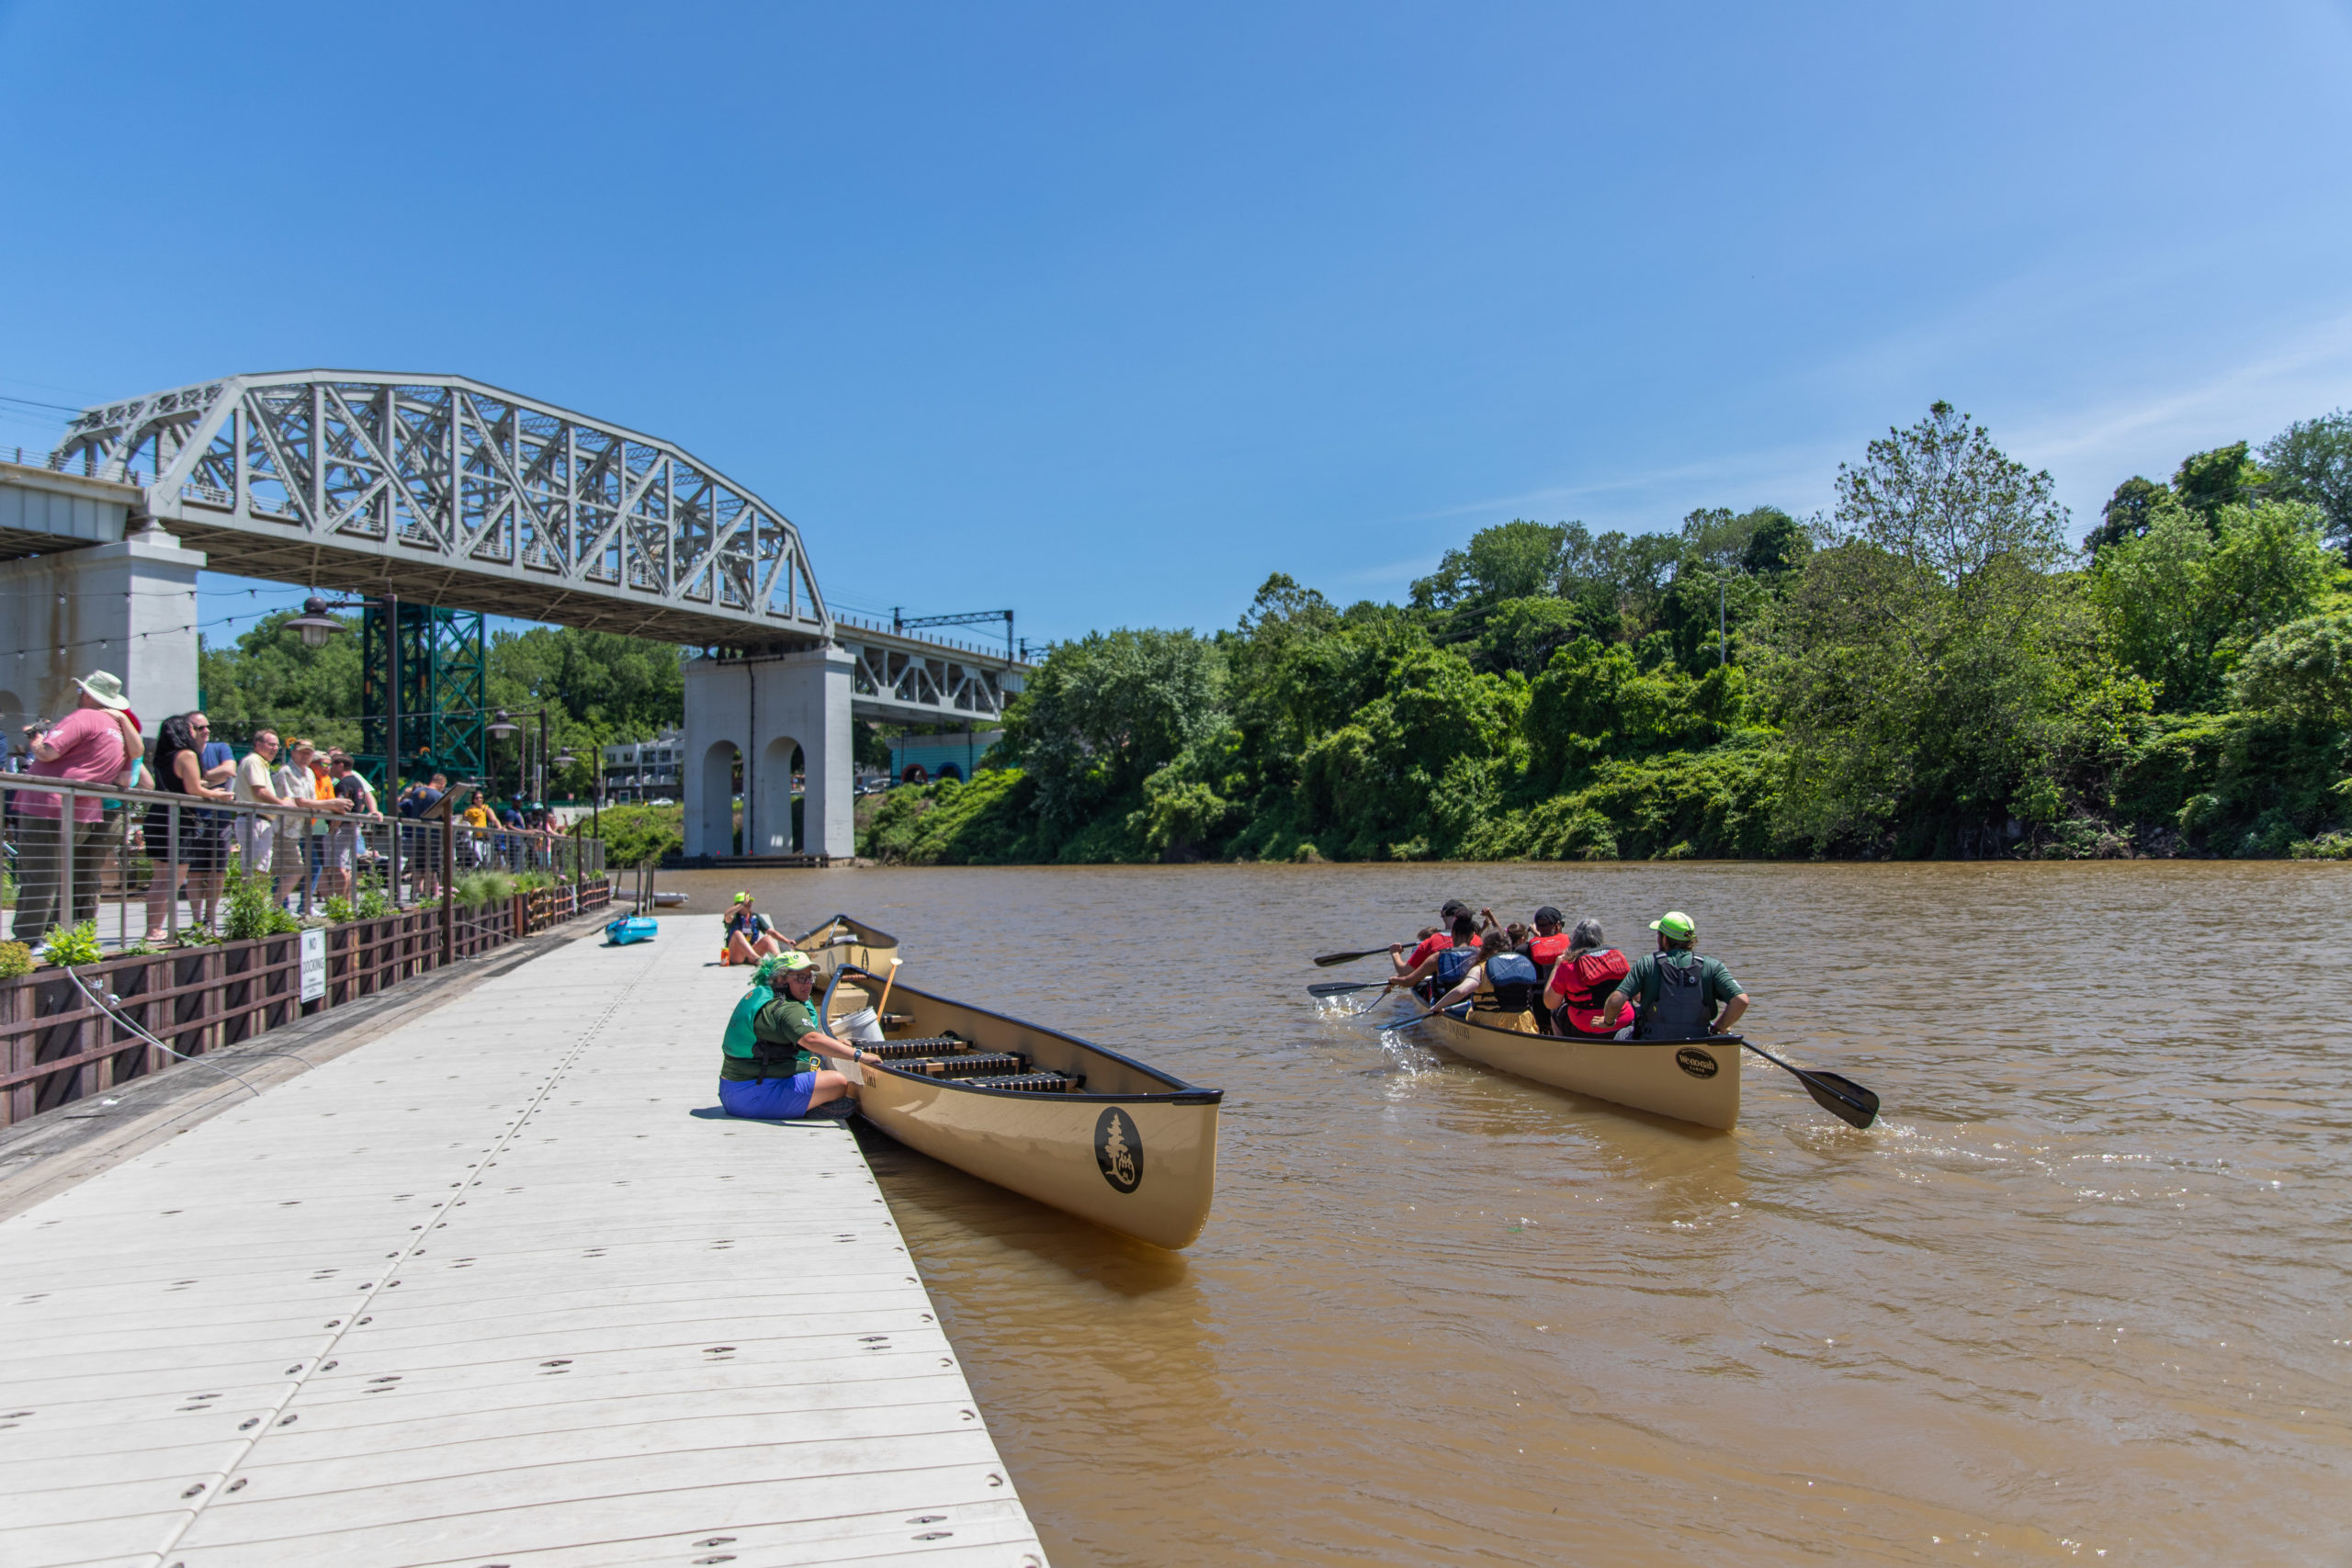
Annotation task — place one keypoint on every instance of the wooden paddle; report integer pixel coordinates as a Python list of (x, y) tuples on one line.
[(1330, 958), (1842, 1096)]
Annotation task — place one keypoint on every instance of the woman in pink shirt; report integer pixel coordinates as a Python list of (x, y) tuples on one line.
[(87, 745)]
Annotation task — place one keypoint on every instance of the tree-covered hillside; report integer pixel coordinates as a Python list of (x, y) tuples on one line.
[(1930, 669)]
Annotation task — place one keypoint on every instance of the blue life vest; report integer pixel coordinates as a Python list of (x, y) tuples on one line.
[(1452, 965), (1514, 981)]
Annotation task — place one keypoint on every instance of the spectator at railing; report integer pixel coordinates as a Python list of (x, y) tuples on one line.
[(257, 834), (204, 887), (358, 803), (87, 745), (201, 849)]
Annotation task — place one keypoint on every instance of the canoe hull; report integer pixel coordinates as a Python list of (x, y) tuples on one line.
[(1690, 1080), (1135, 1152)]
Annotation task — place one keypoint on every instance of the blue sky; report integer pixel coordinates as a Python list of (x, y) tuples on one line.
[(1107, 312)]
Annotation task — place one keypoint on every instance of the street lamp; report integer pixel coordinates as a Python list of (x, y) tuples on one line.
[(504, 725)]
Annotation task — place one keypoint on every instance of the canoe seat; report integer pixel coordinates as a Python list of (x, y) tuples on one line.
[(901, 1050), (1042, 1081), (970, 1064)]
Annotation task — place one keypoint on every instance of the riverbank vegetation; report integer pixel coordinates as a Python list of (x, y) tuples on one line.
[(1930, 669)]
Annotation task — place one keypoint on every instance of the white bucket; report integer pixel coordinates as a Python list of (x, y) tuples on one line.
[(861, 1026)]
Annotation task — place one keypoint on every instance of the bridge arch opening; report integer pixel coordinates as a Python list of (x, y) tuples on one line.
[(723, 784), (780, 827)]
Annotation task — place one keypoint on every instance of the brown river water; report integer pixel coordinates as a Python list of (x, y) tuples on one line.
[(2079, 1296)]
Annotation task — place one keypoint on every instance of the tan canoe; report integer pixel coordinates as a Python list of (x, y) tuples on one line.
[(1691, 1080), (844, 941), (1051, 1116)]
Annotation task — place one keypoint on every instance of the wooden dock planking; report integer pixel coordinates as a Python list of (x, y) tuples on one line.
[(489, 1289)]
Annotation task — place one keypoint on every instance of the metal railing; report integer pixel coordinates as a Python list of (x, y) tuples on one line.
[(141, 867)]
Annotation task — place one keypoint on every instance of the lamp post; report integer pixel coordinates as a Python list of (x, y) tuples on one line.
[(504, 725), (314, 626)]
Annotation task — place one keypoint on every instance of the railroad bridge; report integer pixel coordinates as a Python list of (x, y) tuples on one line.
[(449, 493)]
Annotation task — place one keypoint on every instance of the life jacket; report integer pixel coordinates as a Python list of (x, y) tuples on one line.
[(1680, 1010), (1583, 985), (768, 1058), (1452, 965), (1512, 982)]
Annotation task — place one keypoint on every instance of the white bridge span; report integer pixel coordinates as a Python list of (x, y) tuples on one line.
[(447, 491)]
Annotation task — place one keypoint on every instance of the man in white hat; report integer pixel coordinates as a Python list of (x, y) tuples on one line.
[(88, 746)]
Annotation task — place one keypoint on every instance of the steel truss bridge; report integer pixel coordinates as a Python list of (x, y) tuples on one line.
[(447, 492)]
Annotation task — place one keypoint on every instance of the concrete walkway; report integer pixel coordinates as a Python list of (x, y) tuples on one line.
[(501, 1287)]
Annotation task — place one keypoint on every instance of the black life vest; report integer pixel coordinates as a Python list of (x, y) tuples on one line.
[(1680, 1010), (1513, 981)]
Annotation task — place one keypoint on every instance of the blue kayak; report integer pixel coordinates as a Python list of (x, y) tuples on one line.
[(630, 928)]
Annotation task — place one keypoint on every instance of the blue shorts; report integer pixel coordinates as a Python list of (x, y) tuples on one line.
[(768, 1100)]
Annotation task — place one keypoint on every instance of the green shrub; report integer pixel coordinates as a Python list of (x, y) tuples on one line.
[(71, 945), (340, 909), (15, 959)]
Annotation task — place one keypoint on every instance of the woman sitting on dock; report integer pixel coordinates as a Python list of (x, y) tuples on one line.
[(751, 936), (768, 1070)]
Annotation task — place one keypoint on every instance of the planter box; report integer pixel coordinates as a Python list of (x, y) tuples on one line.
[(56, 1046)]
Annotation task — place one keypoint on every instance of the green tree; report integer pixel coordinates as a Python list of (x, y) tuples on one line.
[(2185, 600), (1922, 668), (1103, 714), (1509, 560), (2226, 476), (2127, 513), (2312, 461), (2301, 671), (268, 678)]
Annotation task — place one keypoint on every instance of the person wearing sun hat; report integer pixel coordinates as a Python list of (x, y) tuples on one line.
[(750, 936), (92, 745), (1678, 990), (770, 1063)]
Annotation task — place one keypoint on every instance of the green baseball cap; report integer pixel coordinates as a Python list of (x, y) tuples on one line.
[(1675, 925)]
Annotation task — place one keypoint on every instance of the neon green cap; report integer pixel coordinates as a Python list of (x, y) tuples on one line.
[(1675, 925)]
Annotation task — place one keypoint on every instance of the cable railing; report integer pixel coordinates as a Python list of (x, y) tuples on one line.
[(156, 869), (155, 927)]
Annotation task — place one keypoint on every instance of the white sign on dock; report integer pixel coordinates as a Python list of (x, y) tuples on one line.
[(314, 965)]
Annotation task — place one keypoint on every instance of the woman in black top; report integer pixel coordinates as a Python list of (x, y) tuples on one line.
[(202, 848)]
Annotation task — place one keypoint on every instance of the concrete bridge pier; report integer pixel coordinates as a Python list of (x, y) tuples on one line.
[(746, 717), (126, 606)]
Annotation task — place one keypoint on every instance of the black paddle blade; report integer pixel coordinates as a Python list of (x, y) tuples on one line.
[(1341, 988), (1330, 958), (1842, 1096)]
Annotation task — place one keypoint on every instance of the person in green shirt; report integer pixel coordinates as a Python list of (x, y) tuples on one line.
[(1677, 989), (770, 1058)]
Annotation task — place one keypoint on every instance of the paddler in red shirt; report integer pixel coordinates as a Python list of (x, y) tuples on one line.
[(1582, 981), (1437, 941), (1544, 949)]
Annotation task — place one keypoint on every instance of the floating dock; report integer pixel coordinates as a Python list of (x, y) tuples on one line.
[(502, 1289)]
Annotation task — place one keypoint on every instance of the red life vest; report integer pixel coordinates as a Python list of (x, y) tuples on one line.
[(1583, 986)]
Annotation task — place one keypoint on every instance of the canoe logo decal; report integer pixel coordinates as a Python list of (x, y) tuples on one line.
[(1697, 1063), (1118, 1149)]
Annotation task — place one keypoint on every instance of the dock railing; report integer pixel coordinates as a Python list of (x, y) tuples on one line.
[(200, 915)]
